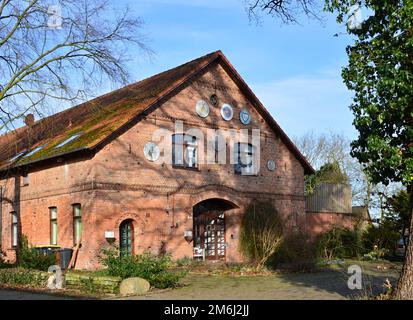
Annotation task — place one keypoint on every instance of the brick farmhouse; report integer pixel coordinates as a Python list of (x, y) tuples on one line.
[(94, 175)]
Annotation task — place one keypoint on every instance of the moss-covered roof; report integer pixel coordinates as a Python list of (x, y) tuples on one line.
[(92, 121)]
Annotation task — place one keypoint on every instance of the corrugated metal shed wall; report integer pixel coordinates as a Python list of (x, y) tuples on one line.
[(330, 198)]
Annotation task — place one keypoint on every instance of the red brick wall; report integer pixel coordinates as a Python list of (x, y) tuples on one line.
[(320, 222), (118, 183)]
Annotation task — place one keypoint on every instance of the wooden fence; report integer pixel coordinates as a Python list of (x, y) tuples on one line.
[(330, 198)]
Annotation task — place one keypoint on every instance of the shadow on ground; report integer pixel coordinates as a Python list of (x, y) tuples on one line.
[(334, 282), (327, 284), (22, 294)]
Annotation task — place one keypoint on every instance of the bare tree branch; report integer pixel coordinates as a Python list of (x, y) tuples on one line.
[(288, 11), (46, 57)]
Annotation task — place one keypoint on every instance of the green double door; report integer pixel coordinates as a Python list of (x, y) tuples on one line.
[(126, 238)]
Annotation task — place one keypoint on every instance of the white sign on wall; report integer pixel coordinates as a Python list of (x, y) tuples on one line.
[(109, 234)]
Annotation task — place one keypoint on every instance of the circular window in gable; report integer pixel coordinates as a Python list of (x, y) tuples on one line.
[(214, 100)]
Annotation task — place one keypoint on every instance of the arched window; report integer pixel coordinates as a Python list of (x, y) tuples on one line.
[(126, 237)]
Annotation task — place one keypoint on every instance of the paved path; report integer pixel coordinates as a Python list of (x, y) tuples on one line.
[(331, 285), (328, 284)]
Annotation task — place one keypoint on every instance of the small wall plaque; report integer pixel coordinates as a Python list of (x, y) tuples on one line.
[(271, 165), (202, 108), (227, 112), (151, 151), (244, 116)]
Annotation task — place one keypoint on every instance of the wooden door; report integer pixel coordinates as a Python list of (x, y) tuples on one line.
[(209, 234)]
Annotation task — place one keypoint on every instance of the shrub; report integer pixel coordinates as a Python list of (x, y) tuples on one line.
[(4, 264), (21, 277), (296, 253), (381, 237), (339, 243), (375, 255), (147, 266), (30, 258), (185, 261), (163, 280), (88, 286), (261, 232)]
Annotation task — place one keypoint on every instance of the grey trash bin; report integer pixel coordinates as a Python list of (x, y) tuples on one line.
[(49, 251), (65, 256)]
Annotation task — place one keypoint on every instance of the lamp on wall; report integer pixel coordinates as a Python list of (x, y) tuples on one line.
[(188, 236), (110, 236)]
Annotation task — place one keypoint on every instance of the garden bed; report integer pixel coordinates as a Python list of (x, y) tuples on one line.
[(78, 284), (90, 283)]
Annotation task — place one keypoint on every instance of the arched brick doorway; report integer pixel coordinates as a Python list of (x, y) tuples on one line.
[(209, 228)]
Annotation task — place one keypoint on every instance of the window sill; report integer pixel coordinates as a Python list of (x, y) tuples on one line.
[(246, 175), (185, 168)]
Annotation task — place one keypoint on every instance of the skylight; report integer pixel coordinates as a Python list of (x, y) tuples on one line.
[(17, 156), (33, 151), (70, 139)]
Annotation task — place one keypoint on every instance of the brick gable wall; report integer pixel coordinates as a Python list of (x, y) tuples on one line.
[(118, 183)]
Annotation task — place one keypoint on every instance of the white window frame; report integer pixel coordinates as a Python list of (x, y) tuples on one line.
[(244, 159), (53, 226), (77, 223), (187, 145), (14, 229)]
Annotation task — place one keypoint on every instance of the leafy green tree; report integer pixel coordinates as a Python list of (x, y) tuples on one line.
[(398, 212), (380, 73), (328, 173)]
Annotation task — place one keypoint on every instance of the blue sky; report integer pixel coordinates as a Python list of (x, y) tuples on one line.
[(293, 69)]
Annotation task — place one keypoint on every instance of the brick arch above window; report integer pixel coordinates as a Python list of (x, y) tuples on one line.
[(137, 218)]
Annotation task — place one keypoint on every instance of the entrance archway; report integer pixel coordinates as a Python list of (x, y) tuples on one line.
[(209, 228)]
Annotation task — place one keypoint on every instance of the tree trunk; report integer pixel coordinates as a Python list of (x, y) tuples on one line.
[(404, 289)]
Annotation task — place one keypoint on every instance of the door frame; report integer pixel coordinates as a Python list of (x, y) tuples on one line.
[(207, 206)]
